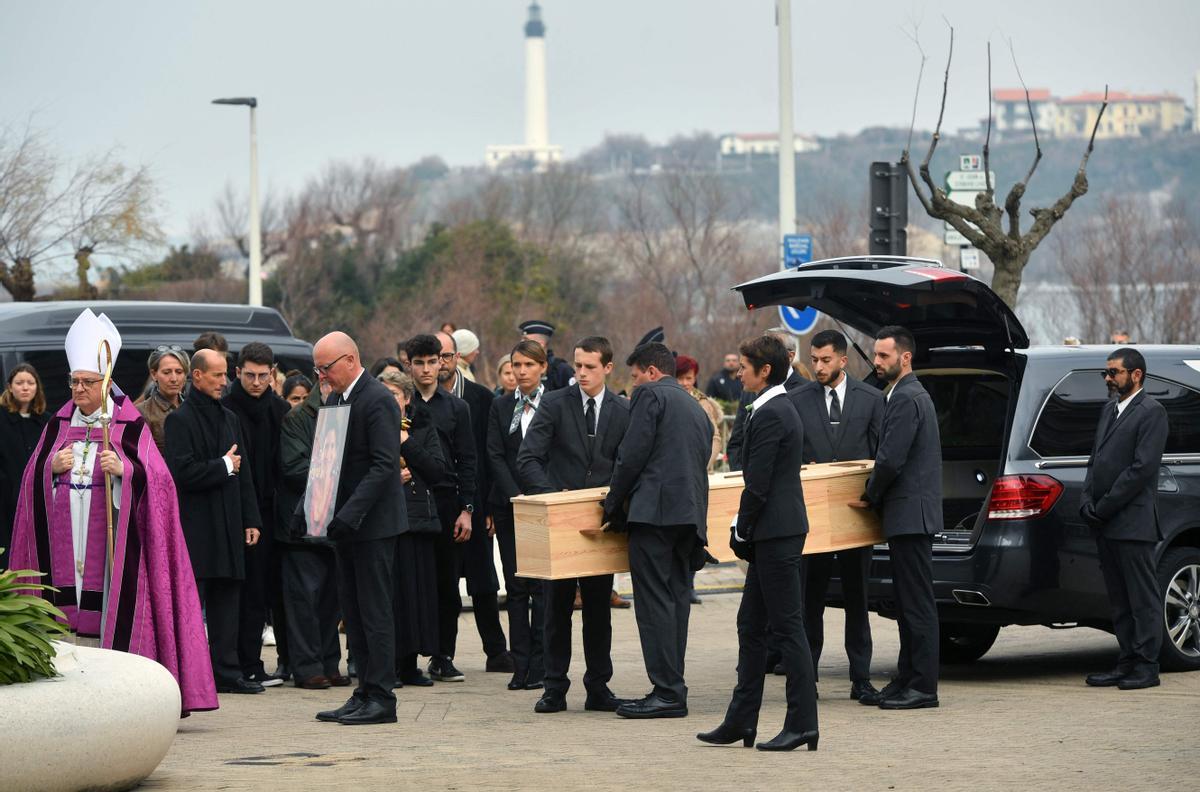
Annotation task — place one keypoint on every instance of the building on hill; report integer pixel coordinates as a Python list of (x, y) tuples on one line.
[(762, 144), (1128, 115)]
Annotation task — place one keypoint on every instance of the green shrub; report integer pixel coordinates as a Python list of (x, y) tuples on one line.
[(27, 625)]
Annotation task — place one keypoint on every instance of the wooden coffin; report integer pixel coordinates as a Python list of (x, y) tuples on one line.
[(558, 534)]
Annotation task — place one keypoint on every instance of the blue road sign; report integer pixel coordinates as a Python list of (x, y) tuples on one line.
[(798, 320), (797, 249)]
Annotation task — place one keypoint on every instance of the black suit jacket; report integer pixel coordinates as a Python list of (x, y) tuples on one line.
[(370, 499), (502, 448), (662, 462), (557, 454), (734, 449), (452, 419), (1122, 479), (907, 480), (479, 401), (856, 437), (772, 504)]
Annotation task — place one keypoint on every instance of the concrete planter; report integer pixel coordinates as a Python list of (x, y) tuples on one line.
[(104, 724)]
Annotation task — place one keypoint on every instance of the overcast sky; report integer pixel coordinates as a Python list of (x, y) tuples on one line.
[(402, 79)]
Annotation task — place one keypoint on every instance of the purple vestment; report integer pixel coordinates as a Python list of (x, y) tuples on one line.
[(153, 609)]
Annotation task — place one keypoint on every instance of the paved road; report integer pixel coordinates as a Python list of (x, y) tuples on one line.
[(1021, 718)]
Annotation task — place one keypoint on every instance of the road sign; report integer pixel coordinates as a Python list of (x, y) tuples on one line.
[(969, 180), (798, 320), (797, 249), (955, 238), (963, 198), (968, 259), (970, 162)]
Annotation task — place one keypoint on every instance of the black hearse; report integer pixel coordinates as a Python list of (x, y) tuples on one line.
[(1017, 424), (33, 332)]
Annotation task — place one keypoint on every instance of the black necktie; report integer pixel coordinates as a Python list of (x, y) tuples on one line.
[(835, 408), (589, 417)]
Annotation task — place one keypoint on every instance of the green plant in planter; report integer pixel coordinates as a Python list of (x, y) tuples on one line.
[(27, 625)]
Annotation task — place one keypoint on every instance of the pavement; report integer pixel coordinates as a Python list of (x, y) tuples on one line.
[(1020, 718)]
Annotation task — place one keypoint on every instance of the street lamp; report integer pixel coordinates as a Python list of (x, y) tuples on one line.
[(255, 274)]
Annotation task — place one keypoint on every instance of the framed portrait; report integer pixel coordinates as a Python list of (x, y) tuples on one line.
[(325, 469)]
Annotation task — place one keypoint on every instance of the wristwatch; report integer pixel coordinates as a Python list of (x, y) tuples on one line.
[(469, 508)]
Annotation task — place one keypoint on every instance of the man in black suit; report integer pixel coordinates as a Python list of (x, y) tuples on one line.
[(571, 444), (217, 508), (906, 487), (508, 422), (369, 514), (1118, 502), (733, 450), (769, 532), (841, 418), (661, 470)]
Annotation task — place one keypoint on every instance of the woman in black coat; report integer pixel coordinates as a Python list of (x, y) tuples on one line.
[(22, 419), (422, 467)]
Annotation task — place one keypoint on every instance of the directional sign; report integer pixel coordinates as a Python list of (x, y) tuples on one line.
[(968, 259), (798, 320), (973, 181), (953, 237), (963, 198), (797, 249)]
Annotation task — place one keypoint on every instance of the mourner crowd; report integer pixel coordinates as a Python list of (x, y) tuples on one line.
[(206, 549)]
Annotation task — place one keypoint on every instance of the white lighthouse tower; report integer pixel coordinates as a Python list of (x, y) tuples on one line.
[(536, 152)]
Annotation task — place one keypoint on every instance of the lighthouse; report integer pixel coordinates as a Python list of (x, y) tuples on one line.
[(536, 153)]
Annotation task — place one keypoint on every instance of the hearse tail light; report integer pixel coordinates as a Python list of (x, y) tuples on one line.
[(1023, 496)]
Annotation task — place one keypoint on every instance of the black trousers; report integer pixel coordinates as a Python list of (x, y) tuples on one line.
[(1132, 584), (253, 604), (916, 610), (453, 559), (659, 563), (526, 604), (854, 567), (595, 592), (366, 589), (309, 580), (772, 597), (219, 598)]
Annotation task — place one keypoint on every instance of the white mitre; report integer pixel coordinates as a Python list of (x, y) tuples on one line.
[(83, 342)]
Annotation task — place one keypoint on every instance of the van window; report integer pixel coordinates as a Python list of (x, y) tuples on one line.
[(971, 410), (1067, 425), (130, 373)]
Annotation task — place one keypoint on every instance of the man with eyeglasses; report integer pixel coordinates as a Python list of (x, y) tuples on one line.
[(260, 412), (1118, 504), (142, 597)]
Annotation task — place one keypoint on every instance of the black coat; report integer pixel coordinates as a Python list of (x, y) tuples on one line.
[(724, 386), (772, 504), (423, 455), (295, 451), (502, 448), (906, 483), (556, 454), (370, 502), (856, 437), (1122, 479), (215, 508), (452, 420), (18, 438), (733, 449), (262, 421), (662, 462), (559, 373), (479, 401)]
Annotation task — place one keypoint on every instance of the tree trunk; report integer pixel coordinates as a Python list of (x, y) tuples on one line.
[(82, 264), (17, 279), (1006, 276)]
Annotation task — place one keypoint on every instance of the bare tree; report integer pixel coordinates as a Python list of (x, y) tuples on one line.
[(233, 213), (982, 224)]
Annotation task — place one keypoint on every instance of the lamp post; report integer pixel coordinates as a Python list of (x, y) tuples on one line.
[(255, 274), (787, 137)]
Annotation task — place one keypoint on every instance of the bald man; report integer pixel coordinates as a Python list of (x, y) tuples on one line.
[(369, 514)]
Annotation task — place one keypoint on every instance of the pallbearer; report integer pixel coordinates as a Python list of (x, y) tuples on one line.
[(143, 599)]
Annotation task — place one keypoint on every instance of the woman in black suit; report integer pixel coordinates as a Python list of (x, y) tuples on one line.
[(22, 418), (769, 532)]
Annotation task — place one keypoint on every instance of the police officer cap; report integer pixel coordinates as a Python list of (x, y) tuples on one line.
[(537, 327), (655, 336)]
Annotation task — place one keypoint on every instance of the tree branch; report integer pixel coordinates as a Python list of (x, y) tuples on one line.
[(1012, 204), (987, 141), (937, 132)]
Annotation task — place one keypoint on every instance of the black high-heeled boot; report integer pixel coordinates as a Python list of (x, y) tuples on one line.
[(790, 741), (726, 734)]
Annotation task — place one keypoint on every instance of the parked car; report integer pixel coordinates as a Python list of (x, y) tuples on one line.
[(33, 332), (1017, 424)]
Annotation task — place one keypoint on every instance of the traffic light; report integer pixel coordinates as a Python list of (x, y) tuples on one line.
[(889, 210)]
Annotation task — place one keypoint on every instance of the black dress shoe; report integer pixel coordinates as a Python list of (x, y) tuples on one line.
[(779, 670), (338, 680), (551, 701), (790, 741), (727, 734), (241, 685), (1137, 680), (909, 699), (534, 684), (653, 706), (414, 678), (1107, 678), (368, 713), (335, 715), (893, 688), (603, 701), (774, 660), (517, 682), (500, 663), (863, 687)]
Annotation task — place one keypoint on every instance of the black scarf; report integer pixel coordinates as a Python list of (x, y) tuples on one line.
[(261, 420)]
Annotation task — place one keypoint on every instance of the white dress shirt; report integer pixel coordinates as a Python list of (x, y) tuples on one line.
[(599, 397), (841, 393), (527, 415), (1121, 405)]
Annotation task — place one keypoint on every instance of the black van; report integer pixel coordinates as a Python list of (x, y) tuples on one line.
[(1017, 424), (33, 332)]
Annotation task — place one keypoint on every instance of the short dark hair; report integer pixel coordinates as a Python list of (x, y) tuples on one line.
[(901, 336), (767, 349), (422, 345), (652, 354), (1130, 358), (382, 363), (831, 338), (402, 347), (597, 344), (530, 349), (210, 340), (256, 352), (296, 381)]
